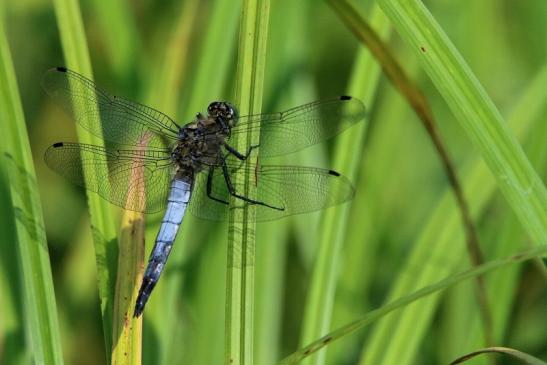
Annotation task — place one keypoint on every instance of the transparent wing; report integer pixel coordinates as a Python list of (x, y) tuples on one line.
[(110, 117), (136, 179), (290, 189), (302, 126)]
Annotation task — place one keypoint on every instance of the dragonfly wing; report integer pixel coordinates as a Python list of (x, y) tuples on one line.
[(135, 180), (113, 118), (289, 189), (302, 126)]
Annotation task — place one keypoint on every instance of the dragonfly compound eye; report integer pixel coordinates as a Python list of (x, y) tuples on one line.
[(224, 110)]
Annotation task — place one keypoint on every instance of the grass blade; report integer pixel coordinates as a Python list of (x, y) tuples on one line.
[(164, 93), (119, 33), (206, 81), (421, 106), (501, 234), (127, 330), (11, 325), (518, 355), (404, 331), (74, 45), (241, 236), (359, 246), (38, 296), (405, 301), (334, 221), (477, 114)]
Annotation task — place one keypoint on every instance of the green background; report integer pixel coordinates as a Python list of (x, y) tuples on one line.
[(401, 233)]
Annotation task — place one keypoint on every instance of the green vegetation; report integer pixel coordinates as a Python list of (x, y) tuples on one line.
[(385, 279)]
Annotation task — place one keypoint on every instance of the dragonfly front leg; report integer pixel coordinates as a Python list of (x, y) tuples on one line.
[(233, 192), (239, 155)]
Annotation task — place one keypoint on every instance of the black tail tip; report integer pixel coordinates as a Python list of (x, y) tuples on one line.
[(138, 311), (334, 173), (61, 69), (345, 97), (144, 292), (139, 305)]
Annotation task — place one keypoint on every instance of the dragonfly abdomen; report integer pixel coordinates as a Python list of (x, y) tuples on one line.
[(177, 202)]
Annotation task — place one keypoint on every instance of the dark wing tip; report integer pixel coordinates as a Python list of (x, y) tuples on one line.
[(61, 69), (58, 144), (345, 97), (332, 172)]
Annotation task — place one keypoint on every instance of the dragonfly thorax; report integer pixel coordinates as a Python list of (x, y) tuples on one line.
[(199, 144)]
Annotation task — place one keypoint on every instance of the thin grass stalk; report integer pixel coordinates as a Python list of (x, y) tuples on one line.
[(173, 72), (119, 36), (475, 111), (356, 275), (76, 54), (438, 286), (38, 297), (127, 330), (522, 357), (241, 231), (12, 331), (214, 71), (205, 82), (501, 231), (334, 221), (164, 93), (287, 17), (435, 254), (419, 103)]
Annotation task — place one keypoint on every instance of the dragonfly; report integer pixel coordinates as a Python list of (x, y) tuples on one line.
[(150, 163)]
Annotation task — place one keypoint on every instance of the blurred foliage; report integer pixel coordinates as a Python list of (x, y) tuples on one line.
[(310, 55)]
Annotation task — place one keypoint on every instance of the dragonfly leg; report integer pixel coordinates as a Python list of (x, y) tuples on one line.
[(239, 155), (210, 187), (233, 192)]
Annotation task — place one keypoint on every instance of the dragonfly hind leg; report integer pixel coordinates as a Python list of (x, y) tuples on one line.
[(210, 187), (233, 192)]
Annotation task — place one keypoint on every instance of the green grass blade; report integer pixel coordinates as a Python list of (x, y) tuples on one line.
[(477, 114), (334, 221), (241, 237), (287, 17), (38, 296), (164, 93), (501, 234), (205, 80), (213, 70), (74, 45), (118, 31), (394, 71), (406, 300), (173, 72), (11, 326), (441, 241), (523, 357), (356, 275), (127, 330)]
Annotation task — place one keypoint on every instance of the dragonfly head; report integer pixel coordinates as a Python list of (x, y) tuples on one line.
[(223, 110)]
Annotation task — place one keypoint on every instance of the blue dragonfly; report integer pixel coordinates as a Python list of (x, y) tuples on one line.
[(151, 163)]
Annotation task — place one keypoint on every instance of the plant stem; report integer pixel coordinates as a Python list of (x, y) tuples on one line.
[(76, 53), (241, 232)]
